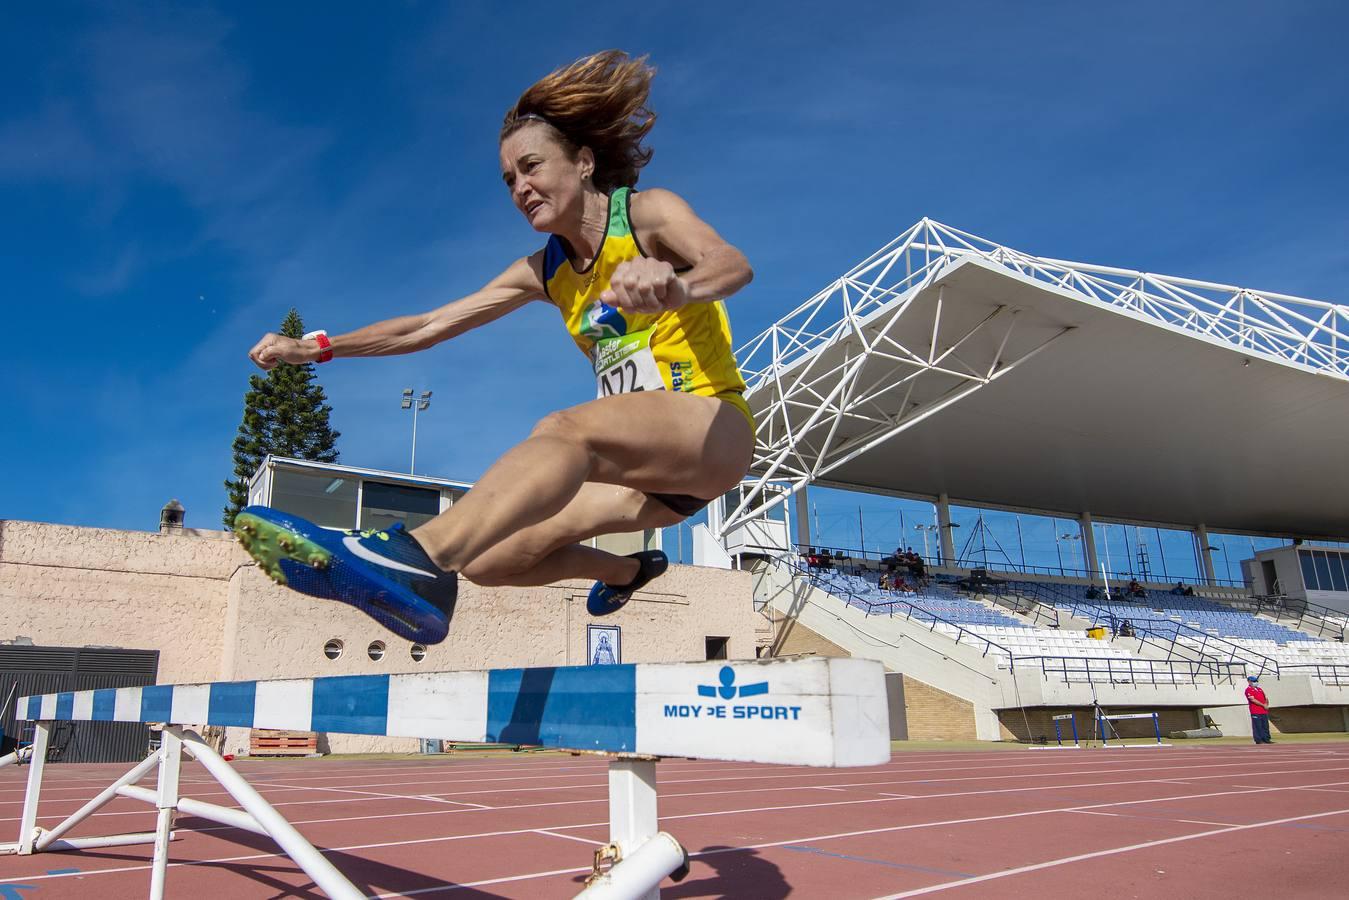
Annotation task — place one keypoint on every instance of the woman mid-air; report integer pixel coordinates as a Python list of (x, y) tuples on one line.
[(639, 280)]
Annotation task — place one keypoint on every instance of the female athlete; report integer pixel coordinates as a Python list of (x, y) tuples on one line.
[(639, 281)]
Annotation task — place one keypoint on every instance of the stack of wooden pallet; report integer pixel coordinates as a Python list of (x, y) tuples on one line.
[(265, 742)]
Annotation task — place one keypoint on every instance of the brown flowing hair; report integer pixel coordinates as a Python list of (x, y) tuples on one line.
[(599, 102)]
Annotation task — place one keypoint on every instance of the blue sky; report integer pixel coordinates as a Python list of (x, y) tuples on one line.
[(173, 177)]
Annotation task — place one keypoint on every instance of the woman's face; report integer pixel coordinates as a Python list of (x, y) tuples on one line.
[(545, 185)]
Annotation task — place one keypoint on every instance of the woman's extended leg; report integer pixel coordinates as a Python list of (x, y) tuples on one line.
[(654, 442)]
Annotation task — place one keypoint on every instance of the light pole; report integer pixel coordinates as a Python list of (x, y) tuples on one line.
[(422, 402), (1065, 537), (925, 529), (1227, 560)]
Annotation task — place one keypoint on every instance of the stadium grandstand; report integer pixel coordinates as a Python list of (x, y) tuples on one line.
[(949, 369)]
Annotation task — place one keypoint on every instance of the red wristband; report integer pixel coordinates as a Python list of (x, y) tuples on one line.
[(325, 345)]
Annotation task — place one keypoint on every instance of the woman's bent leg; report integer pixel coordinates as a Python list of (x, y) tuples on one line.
[(549, 552), (657, 441)]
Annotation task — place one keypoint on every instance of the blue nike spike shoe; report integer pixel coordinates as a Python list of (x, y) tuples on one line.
[(608, 598), (385, 574)]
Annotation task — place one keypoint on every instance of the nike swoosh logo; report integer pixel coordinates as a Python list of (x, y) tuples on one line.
[(358, 549)]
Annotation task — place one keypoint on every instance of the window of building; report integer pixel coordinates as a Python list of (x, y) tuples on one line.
[(1337, 573), (1322, 559), (322, 499), (717, 647), (1324, 570), (384, 504), (1308, 570)]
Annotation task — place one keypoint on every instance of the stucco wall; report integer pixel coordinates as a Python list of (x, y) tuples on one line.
[(63, 585), (204, 605)]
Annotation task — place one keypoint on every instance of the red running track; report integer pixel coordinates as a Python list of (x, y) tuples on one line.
[(1186, 821)]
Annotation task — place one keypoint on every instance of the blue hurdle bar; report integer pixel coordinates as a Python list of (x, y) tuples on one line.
[(814, 711)]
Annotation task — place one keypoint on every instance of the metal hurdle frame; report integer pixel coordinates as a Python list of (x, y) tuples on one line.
[(841, 720), (1102, 720), (1058, 734)]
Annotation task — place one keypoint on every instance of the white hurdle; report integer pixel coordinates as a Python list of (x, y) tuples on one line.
[(806, 711)]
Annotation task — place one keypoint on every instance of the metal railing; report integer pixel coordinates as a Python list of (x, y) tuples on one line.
[(1145, 630), (1043, 615), (1312, 618), (1071, 669), (1327, 673), (1149, 632), (909, 610), (858, 558), (1132, 670)]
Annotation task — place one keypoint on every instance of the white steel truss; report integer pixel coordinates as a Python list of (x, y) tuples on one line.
[(828, 408)]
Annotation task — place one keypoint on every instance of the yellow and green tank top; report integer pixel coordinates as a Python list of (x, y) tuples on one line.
[(689, 348)]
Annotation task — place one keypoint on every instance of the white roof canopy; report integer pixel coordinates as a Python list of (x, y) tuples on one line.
[(945, 364)]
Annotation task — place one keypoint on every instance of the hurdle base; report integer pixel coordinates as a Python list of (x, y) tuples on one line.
[(643, 856)]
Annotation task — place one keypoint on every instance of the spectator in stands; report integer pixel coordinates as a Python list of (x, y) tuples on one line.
[(1259, 705), (916, 565), (1126, 629), (1189, 591), (1093, 592), (1135, 589), (1179, 589), (886, 582)]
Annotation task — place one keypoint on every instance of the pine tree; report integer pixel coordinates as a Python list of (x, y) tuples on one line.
[(285, 414)]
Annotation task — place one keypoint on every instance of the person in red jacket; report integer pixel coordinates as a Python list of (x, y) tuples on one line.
[(1259, 704)]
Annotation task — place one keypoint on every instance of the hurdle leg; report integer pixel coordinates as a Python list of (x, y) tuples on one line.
[(632, 803), (51, 840), (645, 855), (28, 819), (170, 762), (293, 844)]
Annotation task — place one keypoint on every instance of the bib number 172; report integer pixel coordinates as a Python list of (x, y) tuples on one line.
[(621, 379), (626, 366)]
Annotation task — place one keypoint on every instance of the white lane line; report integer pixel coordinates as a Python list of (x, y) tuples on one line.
[(1097, 812), (262, 769), (570, 837), (1067, 860), (455, 802), (807, 840), (602, 799), (264, 786), (815, 838), (377, 795)]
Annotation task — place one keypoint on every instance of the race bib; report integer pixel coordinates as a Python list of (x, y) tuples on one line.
[(625, 364)]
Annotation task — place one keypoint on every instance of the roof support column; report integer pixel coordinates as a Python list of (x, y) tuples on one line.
[(1205, 551), (948, 544), (802, 517), (1089, 544)]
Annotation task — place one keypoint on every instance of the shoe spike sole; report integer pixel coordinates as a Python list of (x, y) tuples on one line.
[(268, 544)]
